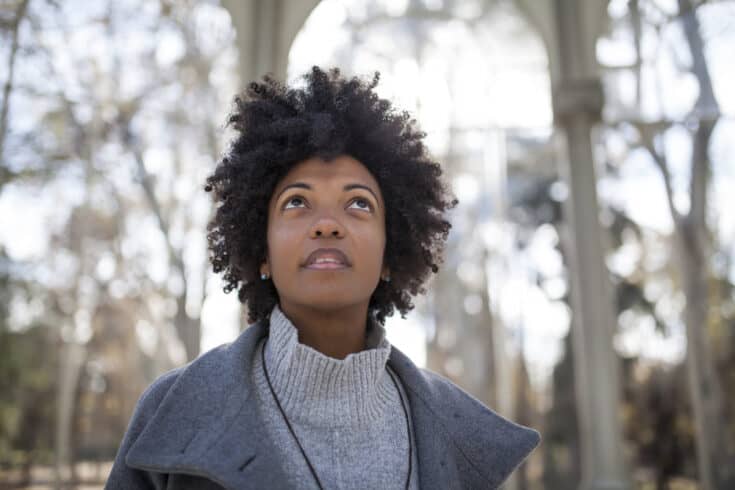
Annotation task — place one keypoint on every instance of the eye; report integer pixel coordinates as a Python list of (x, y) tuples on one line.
[(362, 204), (294, 202)]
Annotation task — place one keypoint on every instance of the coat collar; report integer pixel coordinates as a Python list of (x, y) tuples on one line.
[(207, 425)]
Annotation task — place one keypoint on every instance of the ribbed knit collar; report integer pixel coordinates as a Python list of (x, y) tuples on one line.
[(322, 391)]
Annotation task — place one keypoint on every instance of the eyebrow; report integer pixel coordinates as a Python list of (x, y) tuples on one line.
[(348, 187)]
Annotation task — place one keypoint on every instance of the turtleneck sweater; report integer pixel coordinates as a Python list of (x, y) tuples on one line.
[(346, 413)]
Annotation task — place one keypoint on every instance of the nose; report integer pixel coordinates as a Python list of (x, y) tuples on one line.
[(327, 227)]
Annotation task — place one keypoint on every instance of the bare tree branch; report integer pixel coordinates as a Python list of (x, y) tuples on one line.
[(7, 89), (659, 158), (146, 183), (187, 327), (706, 111), (635, 20), (713, 448), (706, 106), (648, 133)]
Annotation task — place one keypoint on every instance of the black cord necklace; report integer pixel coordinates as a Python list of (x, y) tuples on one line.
[(306, 458)]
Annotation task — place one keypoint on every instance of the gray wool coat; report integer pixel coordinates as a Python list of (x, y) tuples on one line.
[(197, 427)]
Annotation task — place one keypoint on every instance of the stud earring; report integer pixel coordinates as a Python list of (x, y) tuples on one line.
[(264, 277), (386, 279)]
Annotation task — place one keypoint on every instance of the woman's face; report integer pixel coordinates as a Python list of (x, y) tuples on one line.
[(326, 235)]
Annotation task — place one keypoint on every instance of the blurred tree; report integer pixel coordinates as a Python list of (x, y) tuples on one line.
[(561, 437), (658, 421), (27, 384), (654, 132), (28, 392), (12, 15), (116, 116)]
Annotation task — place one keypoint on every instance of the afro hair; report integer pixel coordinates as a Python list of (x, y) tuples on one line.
[(277, 127)]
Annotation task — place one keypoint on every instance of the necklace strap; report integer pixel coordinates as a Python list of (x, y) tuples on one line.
[(408, 426), (298, 443), (288, 424)]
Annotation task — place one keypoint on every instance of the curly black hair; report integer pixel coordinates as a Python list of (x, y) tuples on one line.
[(277, 127)]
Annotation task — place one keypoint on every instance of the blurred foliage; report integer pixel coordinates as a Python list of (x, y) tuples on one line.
[(27, 385)]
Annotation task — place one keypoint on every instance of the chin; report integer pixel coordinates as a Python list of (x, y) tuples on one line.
[(329, 300)]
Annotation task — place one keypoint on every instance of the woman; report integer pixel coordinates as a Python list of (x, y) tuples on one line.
[(330, 217)]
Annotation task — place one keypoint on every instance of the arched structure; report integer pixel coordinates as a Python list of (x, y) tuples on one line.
[(570, 28), (265, 30)]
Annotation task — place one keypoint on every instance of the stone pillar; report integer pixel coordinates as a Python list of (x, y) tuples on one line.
[(578, 101), (265, 31)]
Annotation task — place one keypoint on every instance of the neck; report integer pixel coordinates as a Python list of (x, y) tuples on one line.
[(334, 333)]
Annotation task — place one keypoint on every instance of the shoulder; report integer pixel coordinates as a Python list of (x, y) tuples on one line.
[(489, 443), (185, 396), (486, 438), (510, 443), (121, 476), (149, 402), (201, 370), (208, 374), (446, 389), (154, 395), (450, 398)]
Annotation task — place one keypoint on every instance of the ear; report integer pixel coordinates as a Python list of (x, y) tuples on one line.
[(264, 269), (385, 272)]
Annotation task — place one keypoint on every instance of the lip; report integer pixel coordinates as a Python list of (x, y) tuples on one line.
[(332, 253)]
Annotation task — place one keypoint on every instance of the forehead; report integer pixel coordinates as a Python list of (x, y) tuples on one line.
[(318, 171)]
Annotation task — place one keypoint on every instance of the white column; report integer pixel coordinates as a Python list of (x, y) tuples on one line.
[(578, 101), (265, 31)]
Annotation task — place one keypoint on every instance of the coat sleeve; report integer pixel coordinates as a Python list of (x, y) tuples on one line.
[(123, 477)]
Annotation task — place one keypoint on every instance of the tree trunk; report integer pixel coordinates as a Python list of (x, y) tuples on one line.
[(714, 457), (188, 328), (71, 361), (8, 88), (705, 389)]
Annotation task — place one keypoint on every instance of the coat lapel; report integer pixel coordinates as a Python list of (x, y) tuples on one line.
[(460, 442), (208, 426)]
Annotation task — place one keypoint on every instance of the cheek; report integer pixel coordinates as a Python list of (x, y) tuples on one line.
[(373, 246), (282, 243)]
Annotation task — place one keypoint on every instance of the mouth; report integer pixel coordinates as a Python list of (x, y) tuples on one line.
[(327, 259)]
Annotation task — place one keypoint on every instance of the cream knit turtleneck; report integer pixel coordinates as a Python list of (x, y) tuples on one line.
[(346, 413)]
